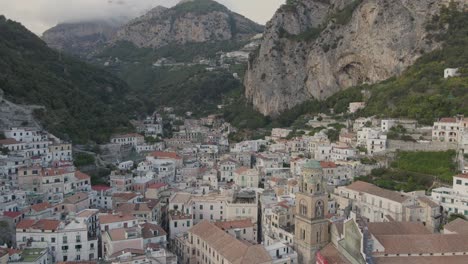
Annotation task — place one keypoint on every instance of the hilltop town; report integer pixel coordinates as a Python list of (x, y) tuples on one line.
[(179, 190)]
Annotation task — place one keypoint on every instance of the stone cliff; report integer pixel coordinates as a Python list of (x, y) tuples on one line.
[(80, 38), (189, 21), (315, 48)]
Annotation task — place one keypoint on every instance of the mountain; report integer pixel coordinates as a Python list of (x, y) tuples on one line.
[(82, 102), (189, 21), (82, 38), (313, 48)]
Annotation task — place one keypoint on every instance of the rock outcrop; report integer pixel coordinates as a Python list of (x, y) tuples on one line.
[(188, 21), (315, 48), (80, 38)]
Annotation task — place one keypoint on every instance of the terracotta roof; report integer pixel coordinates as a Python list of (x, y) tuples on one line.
[(156, 185), (417, 244), (233, 250), (111, 218), (458, 226), (127, 135), (428, 201), (397, 228), (54, 171), (422, 260), (43, 224), (131, 207), (327, 164), (8, 141), (12, 214), (332, 255), (179, 216), (124, 197), (100, 187), (225, 225), (180, 198), (464, 176), (448, 120), (81, 176), (241, 170), (117, 234), (76, 198), (40, 206), (165, 155), (365, 187), (147, 230)]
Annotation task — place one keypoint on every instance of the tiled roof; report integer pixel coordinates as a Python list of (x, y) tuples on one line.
[(8, 141), (111, 218), (165, 155), (225, 225), (365, 187), (81, 176), (332, 255), (131, 207), (327, 164), (43, 224), (233, 250), (417, 244), (100, 187), (156, 185), (464, 176), (458, 226), (127, 135), (40, 206), (12, 214), (76, 198), (448, 120), (147, 230), (397, 228), (124, 197)]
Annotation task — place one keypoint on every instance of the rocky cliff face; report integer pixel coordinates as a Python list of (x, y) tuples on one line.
[(189, 21), (80, 38), (315, 48)]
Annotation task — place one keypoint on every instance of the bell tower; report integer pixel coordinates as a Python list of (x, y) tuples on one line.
[(311, 226)]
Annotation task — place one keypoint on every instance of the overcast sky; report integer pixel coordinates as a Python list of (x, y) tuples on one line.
[(40, 15)]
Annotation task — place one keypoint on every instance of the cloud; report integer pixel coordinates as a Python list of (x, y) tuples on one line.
[(40, 15)]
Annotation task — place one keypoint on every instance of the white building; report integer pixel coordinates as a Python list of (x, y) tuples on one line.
[(455, 199), (66, 240), (128, 139), (449, 129), (356, 106), (451, 72)]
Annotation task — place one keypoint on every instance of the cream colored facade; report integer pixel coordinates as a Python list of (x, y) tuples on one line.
[(311, 228)]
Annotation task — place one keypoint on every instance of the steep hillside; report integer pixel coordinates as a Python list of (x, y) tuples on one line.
[(82, 102), (189, 21), (313, 49), (80, 39)]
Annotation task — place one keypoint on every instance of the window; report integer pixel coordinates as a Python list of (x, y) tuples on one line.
[(211, 207), (201, 206), (201, 216), (175, 224), (459, 182), (188, 223)]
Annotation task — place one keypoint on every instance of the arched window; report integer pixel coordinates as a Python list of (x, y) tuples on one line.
[(303, 207), (319, 210), (318, 187)]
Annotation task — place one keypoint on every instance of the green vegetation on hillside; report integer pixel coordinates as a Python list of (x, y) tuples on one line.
[(415, 171), (421, 92), (82, 102), (199, 7), (442, 165), (185, 87)]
